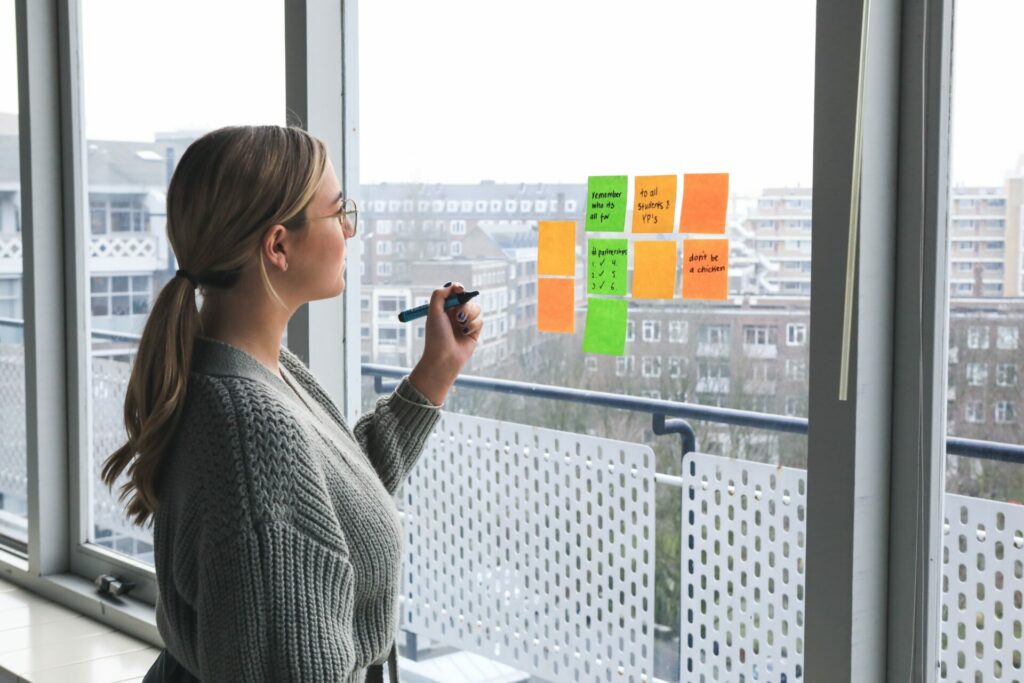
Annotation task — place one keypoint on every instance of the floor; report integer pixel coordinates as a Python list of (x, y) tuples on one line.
[(41, 642)]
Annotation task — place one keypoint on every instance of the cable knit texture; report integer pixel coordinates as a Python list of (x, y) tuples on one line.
[(278, 542)]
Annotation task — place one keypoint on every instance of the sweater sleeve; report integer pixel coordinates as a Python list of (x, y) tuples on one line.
[(275, 604), (393, 433)]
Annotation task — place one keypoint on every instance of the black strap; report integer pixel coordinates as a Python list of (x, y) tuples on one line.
[(375, 673)]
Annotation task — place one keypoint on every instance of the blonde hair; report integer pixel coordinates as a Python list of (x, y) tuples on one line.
[(228, 188)]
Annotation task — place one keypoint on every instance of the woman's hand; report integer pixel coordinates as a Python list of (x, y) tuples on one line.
[(451, 337)]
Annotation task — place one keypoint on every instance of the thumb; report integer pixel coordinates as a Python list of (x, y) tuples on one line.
[(438, 297)]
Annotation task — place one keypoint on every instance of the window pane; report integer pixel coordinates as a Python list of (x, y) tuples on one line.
[(983, 514), (13, 481), (515, 136), (135, 136)]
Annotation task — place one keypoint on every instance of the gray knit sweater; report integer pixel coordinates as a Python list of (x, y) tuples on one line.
[(278, 542)]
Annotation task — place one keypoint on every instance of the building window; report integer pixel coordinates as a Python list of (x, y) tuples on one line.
[(456, 248), (1007, 338), (630, 330), (676, 367), (1006, 374), (120, 294), (384, 268), (975, 411), (624, 366), (117, 214), (977, 337), (650, 366), (570, 205), (364, 303), (1006, 412), (677, 331), (382, 227), (796, 369), (364, 331), (796, 407), (717, 335), (759, 335), (10, 297), (762, 372), (458, 227), (652, 330), (796, 334), (977, 374), (383, 247), (591, 363)]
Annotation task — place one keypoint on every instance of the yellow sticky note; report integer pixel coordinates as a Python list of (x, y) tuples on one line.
[(556, 306), (705, 200), (556, 248), (654, 203), (706, 269), (654, 270)]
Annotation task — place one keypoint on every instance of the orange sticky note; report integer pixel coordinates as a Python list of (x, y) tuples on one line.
[(705, 199), (654, 203), (654, 270), (556, 306), (705, 269), (556, 248)]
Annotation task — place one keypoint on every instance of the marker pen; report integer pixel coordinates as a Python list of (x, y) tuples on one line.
[(451, 302)]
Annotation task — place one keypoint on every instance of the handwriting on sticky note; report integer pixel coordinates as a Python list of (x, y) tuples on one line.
[(654, 269), (607, 266), (654, 203), (556, 309), (556, 248), (606, 203), (706, 269), (705, 202), (605, 332)]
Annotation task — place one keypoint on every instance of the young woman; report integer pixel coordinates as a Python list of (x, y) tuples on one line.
[(278, 543)]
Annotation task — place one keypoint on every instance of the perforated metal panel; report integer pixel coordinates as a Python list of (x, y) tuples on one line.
[(742, 570), (982, 585), (533, 547)]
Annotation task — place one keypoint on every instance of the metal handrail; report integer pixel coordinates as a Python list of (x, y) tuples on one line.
[(661, 409)]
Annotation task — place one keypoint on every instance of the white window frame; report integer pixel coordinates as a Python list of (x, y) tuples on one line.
[(796, 334)]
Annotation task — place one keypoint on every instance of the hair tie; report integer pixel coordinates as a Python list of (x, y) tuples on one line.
[(188, 276)]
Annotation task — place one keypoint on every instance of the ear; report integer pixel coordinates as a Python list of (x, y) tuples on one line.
[(275, 246)]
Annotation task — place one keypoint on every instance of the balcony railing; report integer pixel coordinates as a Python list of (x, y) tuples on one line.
[(525, 542)]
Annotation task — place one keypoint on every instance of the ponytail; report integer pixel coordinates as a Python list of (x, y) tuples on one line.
[(155, 397)]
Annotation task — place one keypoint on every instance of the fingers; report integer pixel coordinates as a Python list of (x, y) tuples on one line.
[(467, 312), (439, 295), (471, 329)]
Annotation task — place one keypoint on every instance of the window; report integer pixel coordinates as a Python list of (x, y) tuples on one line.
[(591, 363), (676, 367), (796, 334), (458, 227), (977, 337), (456, 248), (977, 374), (383, 247), (975, 411), (1007, 338), (120, 295), (1006, 412), (10, 298), (717, 335), (650, 366), (652, 330), (118, 213), (796, 407), (382, 227), (758, 335), (1006, 374), (796, 369), (677, 331), (625, 366), (630, 331), (384, 268)]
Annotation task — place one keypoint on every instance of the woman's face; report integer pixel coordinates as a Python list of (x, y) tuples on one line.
[(321, 251)]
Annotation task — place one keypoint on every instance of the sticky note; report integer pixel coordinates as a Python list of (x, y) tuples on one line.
[(607, 266), (654, 203), (556, 248), (606, 327), (705, 199), (606, 203), (654, 269), (556, 306), (705, 269)]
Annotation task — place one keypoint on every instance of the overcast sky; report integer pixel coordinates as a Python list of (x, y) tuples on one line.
[(531, 90)]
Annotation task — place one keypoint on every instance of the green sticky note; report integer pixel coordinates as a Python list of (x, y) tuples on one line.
[(606, 266), (606, 327), (606, 203)]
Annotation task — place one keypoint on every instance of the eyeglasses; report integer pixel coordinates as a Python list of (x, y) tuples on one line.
[(348, 216)]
